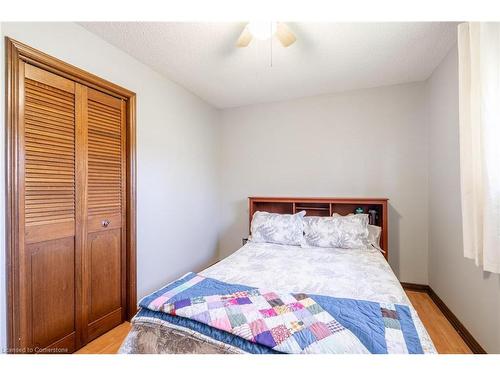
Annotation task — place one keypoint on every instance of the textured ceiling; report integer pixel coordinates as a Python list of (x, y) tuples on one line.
[(327, 57)]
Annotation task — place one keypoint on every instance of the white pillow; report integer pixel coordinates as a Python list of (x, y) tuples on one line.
[(284, 229), (374, 233), (346, 232)]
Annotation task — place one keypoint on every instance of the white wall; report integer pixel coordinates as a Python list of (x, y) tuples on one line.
[(176, 155), (367, 143), (472, 295)]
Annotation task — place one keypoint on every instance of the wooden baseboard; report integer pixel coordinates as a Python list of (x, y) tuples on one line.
[(471, 342), (460, 328), (416, 287)]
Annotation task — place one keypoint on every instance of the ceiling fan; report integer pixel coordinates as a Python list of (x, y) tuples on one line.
[(266, 30)]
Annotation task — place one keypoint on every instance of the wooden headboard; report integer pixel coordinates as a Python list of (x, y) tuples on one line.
[(324, 207)]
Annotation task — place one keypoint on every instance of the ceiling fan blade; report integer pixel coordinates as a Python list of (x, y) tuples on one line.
[(284, 34), (245, 38)]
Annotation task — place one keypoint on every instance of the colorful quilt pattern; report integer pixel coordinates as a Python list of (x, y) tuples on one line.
[(285, 322)]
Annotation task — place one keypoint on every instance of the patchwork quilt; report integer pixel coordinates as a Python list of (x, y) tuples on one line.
[(264, 321)]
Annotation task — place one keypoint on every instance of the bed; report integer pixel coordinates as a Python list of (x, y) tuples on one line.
[(347, 274)]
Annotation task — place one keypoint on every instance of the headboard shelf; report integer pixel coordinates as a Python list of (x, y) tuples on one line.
[(325, 207), (300, 208)]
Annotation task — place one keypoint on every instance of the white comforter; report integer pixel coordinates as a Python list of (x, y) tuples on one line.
[(359, 274)]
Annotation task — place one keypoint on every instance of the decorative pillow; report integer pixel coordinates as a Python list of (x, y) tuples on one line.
[(374, 232), (282, 229), (346, 232)]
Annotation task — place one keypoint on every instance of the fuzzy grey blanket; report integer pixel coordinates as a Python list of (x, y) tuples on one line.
[(153, 338)]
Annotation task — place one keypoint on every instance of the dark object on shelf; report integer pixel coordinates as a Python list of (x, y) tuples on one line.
[(372, 217), (359, 210)]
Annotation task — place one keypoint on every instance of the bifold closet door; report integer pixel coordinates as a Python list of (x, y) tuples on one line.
[(104, 283), (70, 221), (72, 212), (49, 255)]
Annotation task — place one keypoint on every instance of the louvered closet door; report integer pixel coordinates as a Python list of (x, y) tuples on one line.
[(49, 258), (105, 248)]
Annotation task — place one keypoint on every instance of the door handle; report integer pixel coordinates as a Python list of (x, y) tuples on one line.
[(105, 223)]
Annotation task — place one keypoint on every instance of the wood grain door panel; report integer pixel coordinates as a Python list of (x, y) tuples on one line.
[(47, 204), (52, 291), (105, 272), (105, 212), (105, 292)]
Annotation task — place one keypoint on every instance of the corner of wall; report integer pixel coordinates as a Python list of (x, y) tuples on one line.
[(428, 128)]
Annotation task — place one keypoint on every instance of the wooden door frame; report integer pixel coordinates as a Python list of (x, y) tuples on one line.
[(15, 52)]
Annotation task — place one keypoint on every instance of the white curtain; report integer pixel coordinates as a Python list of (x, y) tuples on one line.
[(479, 99)]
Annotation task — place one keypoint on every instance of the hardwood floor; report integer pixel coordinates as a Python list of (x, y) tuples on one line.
[(109, 343), (444, 336)]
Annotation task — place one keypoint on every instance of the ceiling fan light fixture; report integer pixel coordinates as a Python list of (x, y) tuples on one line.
[(262, 30), (265, 31)]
